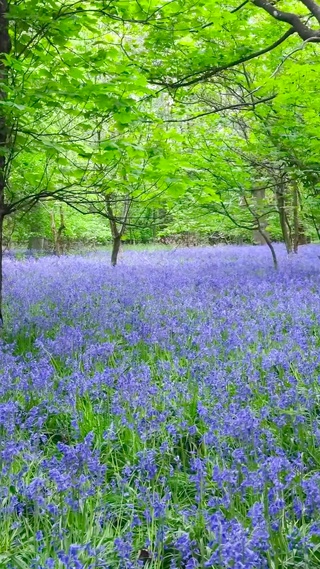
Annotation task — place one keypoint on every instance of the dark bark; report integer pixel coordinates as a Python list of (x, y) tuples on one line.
[(313, 7), (266, 237), (117, 233), (305, 32), (115, 250)]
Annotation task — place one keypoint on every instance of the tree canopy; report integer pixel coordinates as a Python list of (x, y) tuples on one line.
[(160, 118)]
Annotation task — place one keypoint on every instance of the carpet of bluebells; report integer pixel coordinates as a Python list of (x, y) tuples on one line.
[(163, 414)]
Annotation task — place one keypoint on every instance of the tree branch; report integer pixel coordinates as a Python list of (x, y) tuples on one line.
[(313, 7), (239, 7), (237, 106), (293, 20), (206, 74)]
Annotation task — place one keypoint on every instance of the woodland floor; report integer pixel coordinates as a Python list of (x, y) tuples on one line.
[(164, 413)]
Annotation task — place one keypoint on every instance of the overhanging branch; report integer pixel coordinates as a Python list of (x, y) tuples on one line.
[(290, 18), (313, 7), (200, 76)]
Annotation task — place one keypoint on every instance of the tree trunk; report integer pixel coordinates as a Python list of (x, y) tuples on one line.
[(115, 249), (58, 248), (315, 225), (117, 233), (303, 239), (267, 240), (283, 219), (8, 230), (5, 48), (36, 243), (258, 236), (296, 225), (131, 236)]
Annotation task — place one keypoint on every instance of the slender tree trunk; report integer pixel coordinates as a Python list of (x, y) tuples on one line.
[(115, 249), (296, 225), (60, 244), (54, 231), (131, 235), (5, 48), (8, 230), (315, 224), (291, 237), (57, 233), (303, 239), (262, 231), (117, 233), (259, 197), (282, 217), (267, 240)]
